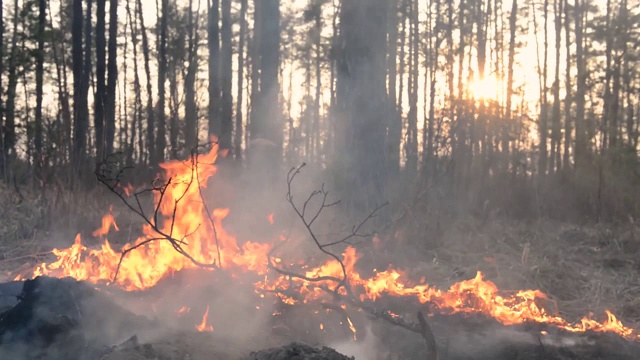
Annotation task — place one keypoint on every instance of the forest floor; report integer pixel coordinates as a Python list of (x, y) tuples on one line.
[(583, 268)]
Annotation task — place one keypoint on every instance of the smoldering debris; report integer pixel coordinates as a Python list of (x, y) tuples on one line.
[(64, 319), (299, 351)]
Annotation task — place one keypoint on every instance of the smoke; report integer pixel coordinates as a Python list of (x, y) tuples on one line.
[(366, 349)]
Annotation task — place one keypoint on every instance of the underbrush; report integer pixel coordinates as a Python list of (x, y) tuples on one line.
[(583, 268)]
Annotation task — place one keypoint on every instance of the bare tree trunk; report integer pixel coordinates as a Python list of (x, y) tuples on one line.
[(112, 67), (10, 125), (581, 86), (267, 122), (240, 88), (512, 44), (556, 137), (190, 110), (412, 117), (394, 124), (42, 21), (173, 111), (99, 99), (608, 68), (226, 75), (362, 99), (161, 141), (151, 143), (567, 97), (544, 126), (2, 152), (63, 93), (137, 90), (254, 50), (315, 130), (435, 40), (215, 126)]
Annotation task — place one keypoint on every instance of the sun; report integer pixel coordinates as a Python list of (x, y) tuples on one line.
[(486, 88)]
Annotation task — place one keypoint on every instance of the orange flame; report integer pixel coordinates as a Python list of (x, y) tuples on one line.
[(183, 310), (203, 327), (270, 218), (208, 242), (108, 222)]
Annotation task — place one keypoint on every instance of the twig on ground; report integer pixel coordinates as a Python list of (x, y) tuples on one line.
[(309, 219)]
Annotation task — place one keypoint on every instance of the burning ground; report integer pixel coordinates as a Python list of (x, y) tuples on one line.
[(188, 271)]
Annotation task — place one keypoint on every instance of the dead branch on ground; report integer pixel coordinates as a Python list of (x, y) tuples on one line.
[(308, 218)]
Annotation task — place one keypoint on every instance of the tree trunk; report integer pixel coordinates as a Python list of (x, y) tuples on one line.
[(214, 69), (136, 88), (567, 97), (412, 117), (112, 67), (581, 85), (226, 75), (393, 123), (512, 45), (151, 144), (544, 125), (161, 141), (42, 21), (267, 122), (316, 129), (1, 98), (556, 138), (240, 89), (362, 98), (9, 151), (99, 99), (190, 107)]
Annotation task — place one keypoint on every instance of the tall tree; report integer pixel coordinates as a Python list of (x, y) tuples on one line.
[(112, 67), (9, 140), (510, 68), (80, 111), (581, 84), (362, 98), (42, 22), (556, 136), (213, 34), (161, 141), (151, 123), (266, 122), (190, 110), (240, 86), (99, 98), (226, 75), (412, 117), (568, 88), (1, 94), (394, 124)]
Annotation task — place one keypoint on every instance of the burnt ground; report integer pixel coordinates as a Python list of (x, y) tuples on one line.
[(583, 269)]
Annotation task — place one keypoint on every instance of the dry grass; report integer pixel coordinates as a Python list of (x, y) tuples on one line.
[(582, 269), (34, 222)]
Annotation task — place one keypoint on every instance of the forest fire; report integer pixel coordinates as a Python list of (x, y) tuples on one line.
[(203, 237)]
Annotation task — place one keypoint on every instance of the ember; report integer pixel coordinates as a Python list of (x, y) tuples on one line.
[(209, 243)]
